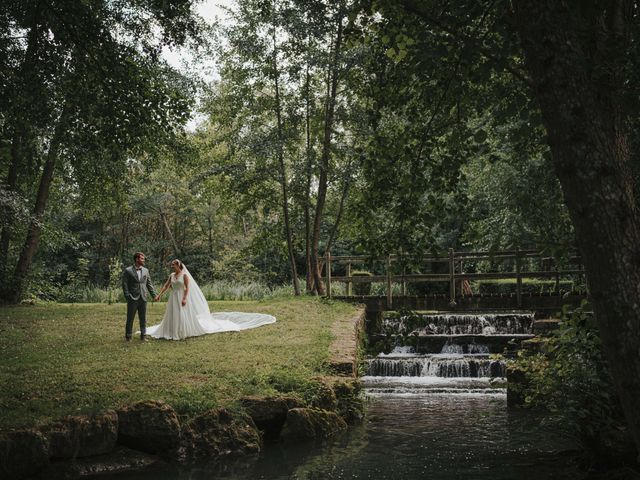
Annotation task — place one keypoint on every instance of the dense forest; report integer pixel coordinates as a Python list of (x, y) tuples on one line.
[(355, 127)]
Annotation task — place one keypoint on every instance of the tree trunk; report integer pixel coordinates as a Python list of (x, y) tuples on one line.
[(176, 249), (210, 227), (283, 170), (575, 53), (307, 190), (35, 226), (19, 134), (330, 104)]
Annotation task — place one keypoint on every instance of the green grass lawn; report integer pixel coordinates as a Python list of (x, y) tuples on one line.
[(62, 359)]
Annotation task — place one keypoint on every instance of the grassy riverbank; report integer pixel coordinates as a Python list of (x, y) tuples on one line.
[(62, 359)]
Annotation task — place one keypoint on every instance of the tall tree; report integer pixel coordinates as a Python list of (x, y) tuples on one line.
[(107, 97), (577, 56)]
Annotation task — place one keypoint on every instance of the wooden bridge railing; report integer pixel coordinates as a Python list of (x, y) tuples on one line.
[(455, 261)]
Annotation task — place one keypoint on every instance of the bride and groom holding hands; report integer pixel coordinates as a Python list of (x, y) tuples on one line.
[(187, 313)]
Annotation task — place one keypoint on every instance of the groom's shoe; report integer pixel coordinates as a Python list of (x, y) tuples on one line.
[(143, 338), (127, 339)]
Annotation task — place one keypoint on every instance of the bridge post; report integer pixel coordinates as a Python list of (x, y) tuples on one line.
[(328, 267), (452, 279), (518, 280), (348, 272), (389, 293)]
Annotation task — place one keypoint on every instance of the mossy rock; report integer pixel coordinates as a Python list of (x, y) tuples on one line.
[(221, 432), (311, 424), (82, 436), (350, 402), (23, 453), (149, 426)]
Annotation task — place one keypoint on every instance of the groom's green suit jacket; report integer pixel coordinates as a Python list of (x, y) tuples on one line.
[(134, 287)]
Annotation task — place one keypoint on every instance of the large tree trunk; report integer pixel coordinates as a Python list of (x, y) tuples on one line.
[(574, 52), (35, 226), (330, 104), (20, 129), (307, 189), (283, 170)]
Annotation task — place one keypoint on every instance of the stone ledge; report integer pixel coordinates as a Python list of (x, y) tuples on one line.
[(343, 351)]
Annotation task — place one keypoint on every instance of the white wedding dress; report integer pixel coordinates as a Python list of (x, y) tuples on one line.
[(195, 318)]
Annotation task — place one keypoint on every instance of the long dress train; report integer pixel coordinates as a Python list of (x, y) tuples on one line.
[(195, 318)]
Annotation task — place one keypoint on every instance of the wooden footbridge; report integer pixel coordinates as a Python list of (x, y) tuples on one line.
[(454, 282)]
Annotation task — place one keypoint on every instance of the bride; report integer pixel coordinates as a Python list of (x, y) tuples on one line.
[(188, 314)]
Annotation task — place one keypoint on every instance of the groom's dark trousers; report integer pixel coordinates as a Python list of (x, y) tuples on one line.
[(134, 306)]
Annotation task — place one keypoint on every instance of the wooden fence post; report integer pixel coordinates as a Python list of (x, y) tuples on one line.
[(389, 294), (452, 279), (328, 267), (518, 280), (348, 272)]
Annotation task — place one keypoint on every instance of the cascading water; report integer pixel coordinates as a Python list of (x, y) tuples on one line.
[(461, 363)]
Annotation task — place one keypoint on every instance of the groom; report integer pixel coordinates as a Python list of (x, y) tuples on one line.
[(136, 284)]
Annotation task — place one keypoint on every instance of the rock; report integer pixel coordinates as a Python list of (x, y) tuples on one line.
[(293, 402), (120, 461), (498, 382), (350, 404), (516, 383), (149, 426), (220, 432), (82, 436), (324, 397), (22, 454), (311, 423), (268, 414)]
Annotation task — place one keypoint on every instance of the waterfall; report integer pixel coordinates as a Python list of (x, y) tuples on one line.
[(452, 352), (472, 348), (454, 324), (437, 365), (452, 348)]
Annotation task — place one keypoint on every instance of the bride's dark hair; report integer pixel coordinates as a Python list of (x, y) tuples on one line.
[(180, 264)]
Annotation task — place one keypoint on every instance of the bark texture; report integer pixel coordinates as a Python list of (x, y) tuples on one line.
[(575, 53), (34, 231), (323, 178)]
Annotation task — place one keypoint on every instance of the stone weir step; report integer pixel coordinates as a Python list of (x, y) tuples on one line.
[(435, 365), (458, 324), (436, 343), (433, 385)]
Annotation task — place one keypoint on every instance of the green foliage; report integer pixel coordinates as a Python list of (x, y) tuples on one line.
[(115, 276), (529, 285), (570, 379)]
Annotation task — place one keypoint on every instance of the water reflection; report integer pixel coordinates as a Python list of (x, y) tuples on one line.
[(408, 437)]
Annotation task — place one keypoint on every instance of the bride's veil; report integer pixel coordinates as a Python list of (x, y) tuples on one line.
[(196, 297)]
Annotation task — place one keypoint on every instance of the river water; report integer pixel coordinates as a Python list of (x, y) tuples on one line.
[(408, 436)]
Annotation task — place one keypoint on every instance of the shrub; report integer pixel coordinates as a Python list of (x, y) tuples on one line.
[(528, 286), (569, 378)]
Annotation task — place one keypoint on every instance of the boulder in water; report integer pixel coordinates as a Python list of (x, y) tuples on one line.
[(311, 424), (268, 414), (149, 426), (220, 432), (82, 436), (23, 453)]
